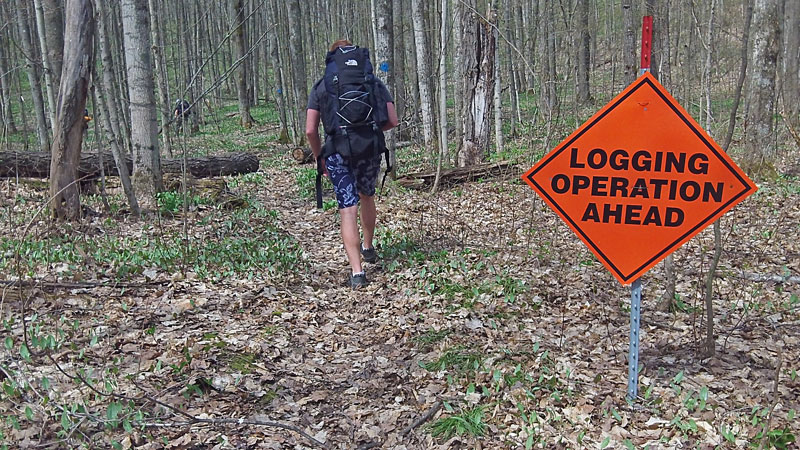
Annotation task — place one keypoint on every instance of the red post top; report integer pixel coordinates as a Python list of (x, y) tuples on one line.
[(647, 40)]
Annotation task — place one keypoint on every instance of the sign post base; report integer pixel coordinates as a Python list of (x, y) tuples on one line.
[(633, 353)]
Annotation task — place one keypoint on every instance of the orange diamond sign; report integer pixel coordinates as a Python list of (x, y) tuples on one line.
[(638, 179)]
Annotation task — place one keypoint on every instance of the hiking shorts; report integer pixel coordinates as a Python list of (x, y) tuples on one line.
[(348, 181)]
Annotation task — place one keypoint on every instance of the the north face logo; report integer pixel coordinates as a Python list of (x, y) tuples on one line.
[(351, 62)]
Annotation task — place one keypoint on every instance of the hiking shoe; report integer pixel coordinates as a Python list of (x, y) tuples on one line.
[(369, 254), (358, 280)]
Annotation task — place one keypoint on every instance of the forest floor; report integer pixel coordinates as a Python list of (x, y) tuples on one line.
[(486, 324)]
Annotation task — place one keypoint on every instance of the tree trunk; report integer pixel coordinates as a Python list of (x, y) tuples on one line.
[(760, 147), (382, 55), (631, 67), (54, 35), (144, 131), (478, 95), (299, 76), (583, 57), (791, 72), (442, 96), (238, 15), (423, 71), (69, 125), (277, 69), (161, 72), (47, 70), (33, 76), (5, 88), (88, 166)]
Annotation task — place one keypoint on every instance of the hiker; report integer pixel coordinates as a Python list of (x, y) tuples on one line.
[(181, 112), (355, 108)]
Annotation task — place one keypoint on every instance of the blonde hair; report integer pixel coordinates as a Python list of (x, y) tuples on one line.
[(340, 43)]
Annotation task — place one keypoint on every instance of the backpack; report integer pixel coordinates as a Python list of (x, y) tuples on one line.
[(353, 110)]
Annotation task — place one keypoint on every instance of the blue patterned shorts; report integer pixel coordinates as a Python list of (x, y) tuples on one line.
[(348, 181)]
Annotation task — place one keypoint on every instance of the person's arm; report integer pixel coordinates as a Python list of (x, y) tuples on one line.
[(312, 132), (393, 120)]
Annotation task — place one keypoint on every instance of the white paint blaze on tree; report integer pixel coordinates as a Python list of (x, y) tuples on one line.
[(759, 132), (69, 123), (479, 90), (144, 130)]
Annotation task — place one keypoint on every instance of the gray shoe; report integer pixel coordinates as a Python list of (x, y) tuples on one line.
[(369, 254), (358, 280)]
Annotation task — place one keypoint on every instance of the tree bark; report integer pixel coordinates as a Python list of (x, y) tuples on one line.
[(144, 130), (760, 147), (298, 64), (630, 68), (69, 124), (54, 35), (583, 57), (791, 71), (478, 95), (88, 166)]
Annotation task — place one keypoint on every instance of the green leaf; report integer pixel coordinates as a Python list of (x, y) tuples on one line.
[(605, 442), (23, 351), (28, 413), (113, 411), (628, 444), (9, 343), (65, 422)]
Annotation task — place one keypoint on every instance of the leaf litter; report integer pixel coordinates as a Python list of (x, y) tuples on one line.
[(482, 298)]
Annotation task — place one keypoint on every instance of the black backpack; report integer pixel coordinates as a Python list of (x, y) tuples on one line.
[(353, 110)]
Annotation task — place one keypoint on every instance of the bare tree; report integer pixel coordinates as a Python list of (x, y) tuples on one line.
[(442, 96), (69, 124), (144, 132), (6, 112), (33, 76), (423, 76), (238, 16), (161, 71), (628, 43)]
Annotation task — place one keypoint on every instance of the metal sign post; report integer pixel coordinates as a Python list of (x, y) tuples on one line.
[(633, 352), (636, 287)]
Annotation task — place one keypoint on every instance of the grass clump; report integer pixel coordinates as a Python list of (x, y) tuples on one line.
[(466, 422)]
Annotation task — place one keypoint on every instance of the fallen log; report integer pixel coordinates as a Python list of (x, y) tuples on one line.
[(455, 175), (37, 165), (302, 155)]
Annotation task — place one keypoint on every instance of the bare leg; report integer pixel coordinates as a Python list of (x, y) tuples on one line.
[(368, 218), (350, 236)]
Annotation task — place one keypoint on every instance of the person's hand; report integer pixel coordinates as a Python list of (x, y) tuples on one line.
[(324, 167)]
